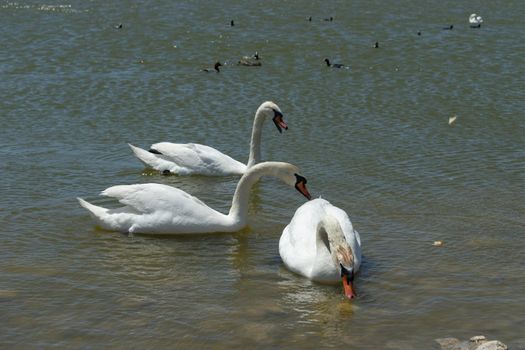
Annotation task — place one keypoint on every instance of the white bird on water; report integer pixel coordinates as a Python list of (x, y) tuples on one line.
[(321, 244), (197, 159), (475, 21), (161, 209)]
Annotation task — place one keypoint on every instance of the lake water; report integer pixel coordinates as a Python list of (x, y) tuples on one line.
[(373, 139)]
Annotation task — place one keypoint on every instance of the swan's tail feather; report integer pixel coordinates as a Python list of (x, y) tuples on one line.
[(145, 157), (95, 211), (155, 160)]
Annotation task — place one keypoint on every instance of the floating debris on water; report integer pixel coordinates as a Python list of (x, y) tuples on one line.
[(479, 342)]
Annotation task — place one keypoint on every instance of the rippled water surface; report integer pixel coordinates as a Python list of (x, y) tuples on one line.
[(373, 139)]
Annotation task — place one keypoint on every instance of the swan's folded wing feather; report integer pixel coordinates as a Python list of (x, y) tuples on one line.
[(148, 198), (181, 154), (197, 157)]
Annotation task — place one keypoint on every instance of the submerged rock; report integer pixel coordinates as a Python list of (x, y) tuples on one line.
[(447, 343), (478, 342), (492, 345)]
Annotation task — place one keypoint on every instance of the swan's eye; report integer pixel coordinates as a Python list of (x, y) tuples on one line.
[(277, 114), (300, 179)]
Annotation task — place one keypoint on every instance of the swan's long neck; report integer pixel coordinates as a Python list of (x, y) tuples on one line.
[(255, 143), (239, 209), (329, 234)]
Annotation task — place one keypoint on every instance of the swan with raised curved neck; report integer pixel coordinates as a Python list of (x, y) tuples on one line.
[(197, 159), (161, 209)]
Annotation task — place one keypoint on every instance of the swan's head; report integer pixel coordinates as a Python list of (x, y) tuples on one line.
[(270, 110), (300, 185), (287, 172)]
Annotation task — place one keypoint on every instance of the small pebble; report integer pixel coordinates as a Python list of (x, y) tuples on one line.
[(478, 338)]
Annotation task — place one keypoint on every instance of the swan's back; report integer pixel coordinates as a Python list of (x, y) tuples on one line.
[(151, 197), (199, 159), (189, 158)]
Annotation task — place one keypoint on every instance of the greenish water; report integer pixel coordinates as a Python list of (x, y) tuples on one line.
[(373, 139)]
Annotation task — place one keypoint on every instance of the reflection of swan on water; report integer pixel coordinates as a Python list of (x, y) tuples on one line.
[(475, 21), (161, 209), (321, 244), (194, 158)]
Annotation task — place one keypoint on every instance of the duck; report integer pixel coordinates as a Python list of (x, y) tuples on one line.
[(214, 69), (321, 244), (334, 65), (475, 21), (450, 27), (251, 61), (154, 208), (196, 159)]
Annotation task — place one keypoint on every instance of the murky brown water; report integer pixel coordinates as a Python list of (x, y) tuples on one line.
[(373, 139)]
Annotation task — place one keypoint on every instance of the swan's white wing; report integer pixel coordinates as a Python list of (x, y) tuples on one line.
[(297, 245), (197, 158), (157, 208), (148, 198)]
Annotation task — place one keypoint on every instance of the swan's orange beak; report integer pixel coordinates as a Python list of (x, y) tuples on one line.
[(300, 185), (302, 188), (279, 122), (348, 287)]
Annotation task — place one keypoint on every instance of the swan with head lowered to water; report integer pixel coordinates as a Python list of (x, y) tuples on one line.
[(197, 159), (321, 244), (161, 209)]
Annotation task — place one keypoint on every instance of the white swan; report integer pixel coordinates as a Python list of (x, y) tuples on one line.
[(193, 158), (321, 244), (162, 209), (475, 21)]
